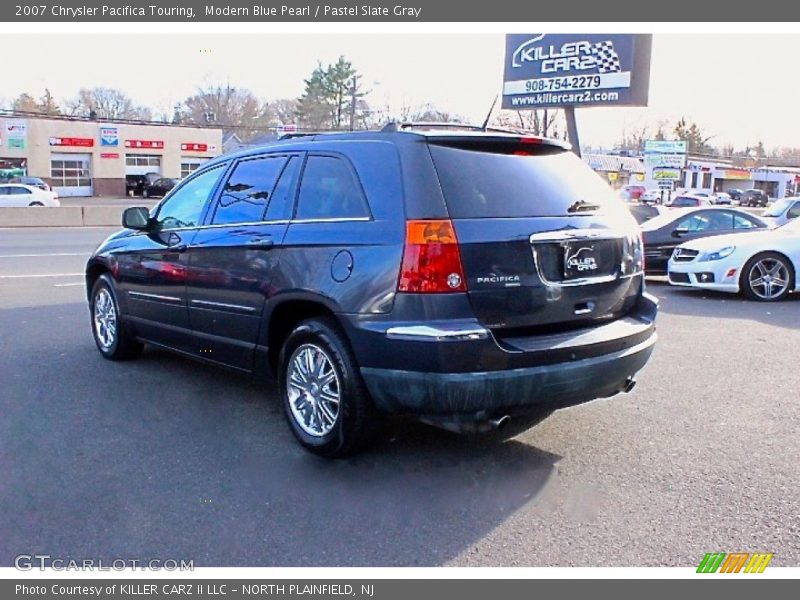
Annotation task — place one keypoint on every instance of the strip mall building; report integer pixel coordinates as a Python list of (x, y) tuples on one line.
[(81, 157)]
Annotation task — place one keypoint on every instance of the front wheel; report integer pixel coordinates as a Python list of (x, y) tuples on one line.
[(325, 401), (36, 204), (110, 335), (767, 277)]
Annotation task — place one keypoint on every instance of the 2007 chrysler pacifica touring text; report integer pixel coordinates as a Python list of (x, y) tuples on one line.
[(469, 277)]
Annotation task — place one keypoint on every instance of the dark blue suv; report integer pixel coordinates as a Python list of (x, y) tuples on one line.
[(476, 279)]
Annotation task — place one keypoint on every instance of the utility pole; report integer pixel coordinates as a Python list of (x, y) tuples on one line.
[(353, 102), (572, 129)]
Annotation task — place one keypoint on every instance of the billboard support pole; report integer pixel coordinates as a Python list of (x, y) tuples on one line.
[(572, 129)]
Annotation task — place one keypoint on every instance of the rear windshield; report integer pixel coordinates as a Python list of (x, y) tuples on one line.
[(487, 185)]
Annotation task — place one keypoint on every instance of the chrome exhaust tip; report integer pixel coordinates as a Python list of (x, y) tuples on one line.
[(629, 385)]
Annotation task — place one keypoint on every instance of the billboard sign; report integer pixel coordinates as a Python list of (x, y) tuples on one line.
[(109, 136), (558, 70), (666, 174), (677, 161), (73, 142), (665, 147), (16, 131)]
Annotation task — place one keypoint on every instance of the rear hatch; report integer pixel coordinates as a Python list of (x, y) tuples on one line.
[(545, 245)]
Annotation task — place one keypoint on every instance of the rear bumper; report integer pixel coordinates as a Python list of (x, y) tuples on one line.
[(487, 375)]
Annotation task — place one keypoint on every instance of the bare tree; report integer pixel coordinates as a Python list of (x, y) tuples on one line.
[(106, 103), (230, 108), (533, 121)]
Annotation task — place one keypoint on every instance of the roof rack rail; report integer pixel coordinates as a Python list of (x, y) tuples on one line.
[(296, 134), (394, 126)]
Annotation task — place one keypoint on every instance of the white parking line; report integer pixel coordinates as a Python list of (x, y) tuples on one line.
[(44, 255), (67, 284), (42, 275)]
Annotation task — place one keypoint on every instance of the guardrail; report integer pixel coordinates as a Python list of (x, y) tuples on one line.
[(61, 216)]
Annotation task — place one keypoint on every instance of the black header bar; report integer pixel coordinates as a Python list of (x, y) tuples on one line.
[(531, 11)]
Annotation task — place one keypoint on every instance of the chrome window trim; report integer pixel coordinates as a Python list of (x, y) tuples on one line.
[(333, 220), (276, 222), (574, 235)]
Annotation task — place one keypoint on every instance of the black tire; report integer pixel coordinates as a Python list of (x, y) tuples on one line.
[(123, 346), (357, 422), (36, 204), (744, 277), (517, 425)]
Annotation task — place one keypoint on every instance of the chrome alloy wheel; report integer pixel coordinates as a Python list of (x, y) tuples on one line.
[(105, 318), (314, 390), (768, 278)]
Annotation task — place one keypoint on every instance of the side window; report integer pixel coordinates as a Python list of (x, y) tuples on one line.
[(4, 191), (248, 191), (794, 211), (697, 222), (740, 222), (184, 207), (19, 190), (719, 220), (330, 190), (282, 201)]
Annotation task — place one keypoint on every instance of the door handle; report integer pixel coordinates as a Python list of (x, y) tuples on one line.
[(260, 243), (179, 248)]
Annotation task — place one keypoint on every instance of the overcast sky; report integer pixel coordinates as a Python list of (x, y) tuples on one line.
[(739, 88)]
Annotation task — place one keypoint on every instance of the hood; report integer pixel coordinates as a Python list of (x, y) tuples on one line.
[(740, 240)]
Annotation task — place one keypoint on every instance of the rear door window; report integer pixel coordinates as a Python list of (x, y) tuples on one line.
[(330, 190), (248, 191), (741, 222), (480, 184)]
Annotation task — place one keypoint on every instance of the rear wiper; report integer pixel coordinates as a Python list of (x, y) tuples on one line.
[(582, 206)]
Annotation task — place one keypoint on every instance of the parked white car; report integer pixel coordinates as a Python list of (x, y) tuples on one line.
[(18, 194), (762, 265)]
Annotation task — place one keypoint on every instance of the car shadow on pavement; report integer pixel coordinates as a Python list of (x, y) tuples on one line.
[(163, 457), (708, 303)]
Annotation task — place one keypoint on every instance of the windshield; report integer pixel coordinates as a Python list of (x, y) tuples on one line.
[(779, 207), (792, 227)]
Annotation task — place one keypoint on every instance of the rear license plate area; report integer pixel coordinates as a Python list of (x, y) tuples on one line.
[(584, 259)]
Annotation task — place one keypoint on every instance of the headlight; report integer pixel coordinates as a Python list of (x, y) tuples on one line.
[(717, 254)]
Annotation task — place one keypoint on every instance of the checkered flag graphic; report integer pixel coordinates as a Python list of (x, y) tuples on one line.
[(606, 58)]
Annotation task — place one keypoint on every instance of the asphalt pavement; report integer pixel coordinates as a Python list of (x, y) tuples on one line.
[(166, 458)]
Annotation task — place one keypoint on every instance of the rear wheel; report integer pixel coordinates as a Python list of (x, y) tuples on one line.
[(37, 203), (767, 277), (110, 335), (324, 397)]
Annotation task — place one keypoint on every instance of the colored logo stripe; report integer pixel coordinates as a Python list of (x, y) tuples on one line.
[(733, 563)]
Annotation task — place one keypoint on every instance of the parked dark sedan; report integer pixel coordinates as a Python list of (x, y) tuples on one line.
[(159, 187), (664, 233)]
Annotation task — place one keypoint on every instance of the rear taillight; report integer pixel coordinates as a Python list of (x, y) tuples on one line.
[(431, 259)]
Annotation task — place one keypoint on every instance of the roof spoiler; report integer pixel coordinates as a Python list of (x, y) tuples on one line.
[(394, 126)]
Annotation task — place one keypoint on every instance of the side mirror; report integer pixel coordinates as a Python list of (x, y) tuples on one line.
[(136, 217), (679, 232)]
